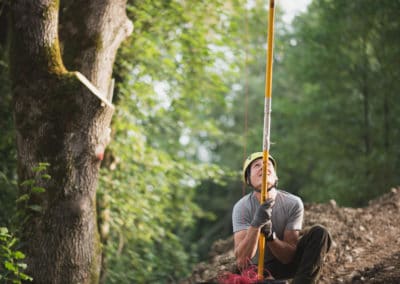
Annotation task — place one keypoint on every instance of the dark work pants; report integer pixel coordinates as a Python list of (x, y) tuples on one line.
[(308, 259)]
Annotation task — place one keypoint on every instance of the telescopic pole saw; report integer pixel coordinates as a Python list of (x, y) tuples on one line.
[(267, 126)]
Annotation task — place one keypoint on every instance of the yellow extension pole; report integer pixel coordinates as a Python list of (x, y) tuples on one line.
[(267, 126)]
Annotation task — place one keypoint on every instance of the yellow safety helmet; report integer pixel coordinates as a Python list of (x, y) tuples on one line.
[(251, 158)]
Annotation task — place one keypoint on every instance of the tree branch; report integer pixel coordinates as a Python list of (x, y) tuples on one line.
[(91, 32)]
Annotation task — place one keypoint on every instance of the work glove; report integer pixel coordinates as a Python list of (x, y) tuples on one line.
[(267, 230), (263, 214)]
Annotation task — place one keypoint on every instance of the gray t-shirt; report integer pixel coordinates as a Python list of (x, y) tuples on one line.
[(287, 214)]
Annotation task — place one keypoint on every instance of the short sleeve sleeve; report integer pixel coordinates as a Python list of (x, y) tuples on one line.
[(296, 216), (241, 218)]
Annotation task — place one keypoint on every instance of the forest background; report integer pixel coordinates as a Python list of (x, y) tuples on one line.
[(189, 107)]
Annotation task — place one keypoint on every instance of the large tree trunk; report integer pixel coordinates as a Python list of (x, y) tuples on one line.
[(61, 121)]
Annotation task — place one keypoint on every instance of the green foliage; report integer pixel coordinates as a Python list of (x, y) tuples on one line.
[(7, 141), (12, 267), (169, 85), (11, 259), (151, 204), (8, 193), (26, 202), (340, 122), (333, 121)]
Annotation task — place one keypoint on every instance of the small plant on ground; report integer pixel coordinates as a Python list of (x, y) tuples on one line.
[(11, 258), (12, 267)]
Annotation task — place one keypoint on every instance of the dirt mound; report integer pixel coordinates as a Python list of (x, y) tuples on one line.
[(366, 247)]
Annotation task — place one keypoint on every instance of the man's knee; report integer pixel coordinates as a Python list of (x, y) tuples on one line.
[(319, 230), (321, 234)]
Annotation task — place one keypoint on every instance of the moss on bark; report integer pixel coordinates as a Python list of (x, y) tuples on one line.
[(53, 55)]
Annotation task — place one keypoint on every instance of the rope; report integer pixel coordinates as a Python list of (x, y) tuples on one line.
[(246, 104)]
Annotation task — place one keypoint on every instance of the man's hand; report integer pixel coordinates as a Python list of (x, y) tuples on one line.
[(263, 214)]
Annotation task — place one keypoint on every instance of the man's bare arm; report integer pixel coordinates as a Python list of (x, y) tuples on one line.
[(284, 250), (246, 242)]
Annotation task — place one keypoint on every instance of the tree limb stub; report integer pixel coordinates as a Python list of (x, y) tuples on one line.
[(94, 90)]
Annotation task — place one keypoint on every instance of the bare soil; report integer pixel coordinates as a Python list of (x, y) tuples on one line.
[(366, 247)]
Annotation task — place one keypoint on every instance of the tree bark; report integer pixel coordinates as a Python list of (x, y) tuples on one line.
[(59, 120)]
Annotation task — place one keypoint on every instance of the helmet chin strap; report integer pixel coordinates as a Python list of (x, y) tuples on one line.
[(268, 189)]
